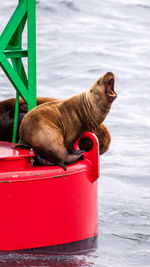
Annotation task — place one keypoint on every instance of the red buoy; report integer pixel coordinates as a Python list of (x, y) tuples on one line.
[(45, 206)]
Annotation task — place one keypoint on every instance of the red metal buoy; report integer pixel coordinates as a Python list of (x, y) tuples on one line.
[(44, 206)]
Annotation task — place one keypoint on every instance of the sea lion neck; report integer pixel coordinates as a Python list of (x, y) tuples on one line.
[(88, 108), (78, 112), (100, 106), (86, 113)]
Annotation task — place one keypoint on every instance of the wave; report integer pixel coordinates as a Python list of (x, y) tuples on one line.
[(135, 237), (56, 6)]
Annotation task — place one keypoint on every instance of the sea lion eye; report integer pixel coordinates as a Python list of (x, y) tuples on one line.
[(99, 81)]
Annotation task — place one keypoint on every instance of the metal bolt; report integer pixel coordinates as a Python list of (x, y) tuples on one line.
[(31, 151)]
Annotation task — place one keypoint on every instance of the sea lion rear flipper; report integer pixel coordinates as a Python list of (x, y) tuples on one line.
[(38, 160), (23, 146), (43, 162)]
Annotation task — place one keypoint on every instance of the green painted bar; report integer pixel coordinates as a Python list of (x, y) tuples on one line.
[(16, 118), (15, 53), (18, 66), (31, 13)]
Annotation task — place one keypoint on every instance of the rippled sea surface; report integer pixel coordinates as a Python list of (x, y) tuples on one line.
[(77, 41)]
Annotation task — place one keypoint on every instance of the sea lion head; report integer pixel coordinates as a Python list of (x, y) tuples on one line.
[(104, 87)]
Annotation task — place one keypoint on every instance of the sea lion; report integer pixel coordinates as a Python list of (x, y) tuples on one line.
[(7, 111), (52, 129)]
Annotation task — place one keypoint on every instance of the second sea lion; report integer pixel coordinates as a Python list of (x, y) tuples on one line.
[(7, 111)]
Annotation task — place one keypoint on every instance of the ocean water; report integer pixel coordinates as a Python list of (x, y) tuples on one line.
[(78, 41)]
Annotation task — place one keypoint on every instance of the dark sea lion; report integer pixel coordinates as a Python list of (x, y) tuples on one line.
[(7, 111), (52, 129)]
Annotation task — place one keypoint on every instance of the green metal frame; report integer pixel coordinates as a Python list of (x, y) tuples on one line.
[(11, 48)]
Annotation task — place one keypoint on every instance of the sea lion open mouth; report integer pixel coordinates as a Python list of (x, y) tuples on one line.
[(110, 89)]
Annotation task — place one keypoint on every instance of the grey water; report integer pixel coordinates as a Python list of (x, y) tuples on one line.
[(78, 41)]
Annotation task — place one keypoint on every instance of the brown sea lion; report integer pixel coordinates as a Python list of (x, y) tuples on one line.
[(7, 110), (52, 129)]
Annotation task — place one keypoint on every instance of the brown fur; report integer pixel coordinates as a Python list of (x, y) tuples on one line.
[(52, 128)]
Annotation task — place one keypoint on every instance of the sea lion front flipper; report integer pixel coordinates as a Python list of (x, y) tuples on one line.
[(75, 157), (76, 151)]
